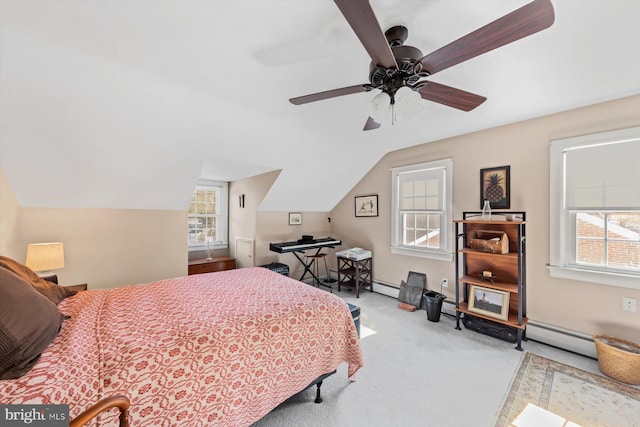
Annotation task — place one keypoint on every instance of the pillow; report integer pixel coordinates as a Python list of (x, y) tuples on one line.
[(53, 292), (28, 323)]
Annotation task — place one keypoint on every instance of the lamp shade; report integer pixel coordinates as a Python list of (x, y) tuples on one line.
[(45, 256)]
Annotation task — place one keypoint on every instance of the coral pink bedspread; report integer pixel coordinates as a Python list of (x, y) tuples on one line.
[(218, 349)]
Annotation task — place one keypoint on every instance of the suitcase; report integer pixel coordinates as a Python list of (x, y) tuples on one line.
[(278, 268), (355, 313)]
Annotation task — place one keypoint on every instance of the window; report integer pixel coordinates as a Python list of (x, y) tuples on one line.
[(421, 211), (595, 208), (208, 216)]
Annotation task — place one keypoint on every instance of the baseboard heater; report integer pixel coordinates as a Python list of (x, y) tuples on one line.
[(378, 287), (566, 339), (555, 336), (386, 289)]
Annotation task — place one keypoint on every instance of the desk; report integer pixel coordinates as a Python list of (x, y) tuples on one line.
[(301, 246), (217, 263), (355, 273)]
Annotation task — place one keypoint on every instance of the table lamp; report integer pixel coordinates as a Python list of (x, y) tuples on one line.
[(44, 257)]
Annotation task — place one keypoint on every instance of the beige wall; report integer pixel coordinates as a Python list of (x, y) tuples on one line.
[(108, 248), (242, 221), (579, 306), (9, 209), (116, 247), (265, 226)]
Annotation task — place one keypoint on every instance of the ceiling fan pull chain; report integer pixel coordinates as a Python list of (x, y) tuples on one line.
[(393, 112)]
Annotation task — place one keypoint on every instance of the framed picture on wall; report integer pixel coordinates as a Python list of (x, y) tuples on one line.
[(489, 302), (366, 205), (295, 218), (494, 186)]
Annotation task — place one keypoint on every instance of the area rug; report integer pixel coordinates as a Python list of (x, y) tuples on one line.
[(548, 393)]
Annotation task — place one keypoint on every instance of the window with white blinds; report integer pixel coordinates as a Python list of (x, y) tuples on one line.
[(595, 208), (421, 211), (603, 175)]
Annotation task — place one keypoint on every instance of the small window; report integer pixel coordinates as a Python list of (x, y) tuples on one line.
[(595, 208), (207, 227), (421, 211)]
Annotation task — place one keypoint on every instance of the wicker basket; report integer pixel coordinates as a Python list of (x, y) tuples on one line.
[(618, 358)]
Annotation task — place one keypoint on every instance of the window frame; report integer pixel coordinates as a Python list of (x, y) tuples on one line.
[(562, 220), (445, 252), (222, 217)]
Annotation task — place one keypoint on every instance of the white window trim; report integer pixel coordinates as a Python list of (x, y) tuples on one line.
[(559, 223), (223, 217), (445, 254)]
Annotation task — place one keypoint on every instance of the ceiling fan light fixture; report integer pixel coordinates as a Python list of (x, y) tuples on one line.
[(381, 108), (407, 103), (404, 104)]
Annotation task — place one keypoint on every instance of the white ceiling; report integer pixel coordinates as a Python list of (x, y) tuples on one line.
[(125, 104)]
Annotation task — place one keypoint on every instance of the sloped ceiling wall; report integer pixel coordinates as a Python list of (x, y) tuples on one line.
[(125, 104)]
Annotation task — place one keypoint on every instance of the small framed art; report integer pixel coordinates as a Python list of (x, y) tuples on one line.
[(494, 186), (366, 205), (489, 302), (295, 218)]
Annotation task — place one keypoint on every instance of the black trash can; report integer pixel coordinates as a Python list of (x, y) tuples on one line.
[(433, 303)]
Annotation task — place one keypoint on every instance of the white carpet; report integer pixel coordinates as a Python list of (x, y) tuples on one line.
[(416, 373)]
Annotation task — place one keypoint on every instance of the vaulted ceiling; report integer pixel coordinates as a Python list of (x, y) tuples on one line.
[(126, 104)]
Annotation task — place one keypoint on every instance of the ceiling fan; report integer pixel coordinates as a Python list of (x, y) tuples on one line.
[(398, 70)]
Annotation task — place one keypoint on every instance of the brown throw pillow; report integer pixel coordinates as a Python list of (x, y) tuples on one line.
[(53, 292), (28, 323)]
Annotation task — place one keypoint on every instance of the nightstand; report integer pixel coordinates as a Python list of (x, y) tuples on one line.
[(77, 288), (54, 279)]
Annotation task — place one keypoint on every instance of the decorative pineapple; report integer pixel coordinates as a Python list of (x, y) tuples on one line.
[(494, 191)]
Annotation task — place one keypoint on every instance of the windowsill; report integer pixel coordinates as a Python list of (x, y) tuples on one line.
[(439, 256), (212, 248), (603, 278)]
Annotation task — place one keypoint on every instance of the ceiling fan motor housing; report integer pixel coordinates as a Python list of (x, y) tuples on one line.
[(390, 79), (396, 35)]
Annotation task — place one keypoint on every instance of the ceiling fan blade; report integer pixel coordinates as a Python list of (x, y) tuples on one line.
[(522, 22), (330, 94), (364, 23), (450, 96), (371, 124)]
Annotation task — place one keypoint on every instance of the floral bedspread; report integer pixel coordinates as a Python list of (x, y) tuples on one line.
[(217, 349)]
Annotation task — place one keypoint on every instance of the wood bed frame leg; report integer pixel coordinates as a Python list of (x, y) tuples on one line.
[(318, 398)]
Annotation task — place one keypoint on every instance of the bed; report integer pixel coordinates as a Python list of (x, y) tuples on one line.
[(218, 349)]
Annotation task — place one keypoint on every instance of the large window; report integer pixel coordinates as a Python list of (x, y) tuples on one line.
[(595, 208), (421, 211), (208, 216)]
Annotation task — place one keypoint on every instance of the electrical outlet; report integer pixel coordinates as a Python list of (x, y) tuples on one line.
[(629, 304), (445, 282)]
